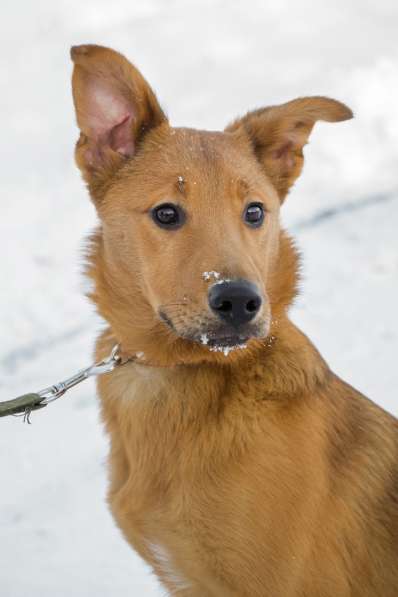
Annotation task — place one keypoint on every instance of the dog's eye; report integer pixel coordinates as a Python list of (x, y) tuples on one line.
[(168, 216), (254, 214)]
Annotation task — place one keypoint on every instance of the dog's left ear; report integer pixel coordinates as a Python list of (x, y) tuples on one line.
[(278, 134)]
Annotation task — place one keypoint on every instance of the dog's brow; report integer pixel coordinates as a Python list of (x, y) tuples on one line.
[(243, 187)]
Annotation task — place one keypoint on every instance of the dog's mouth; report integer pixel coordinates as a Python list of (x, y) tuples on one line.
[(219, 338), (222, 343), (213, 340), (225, 341)]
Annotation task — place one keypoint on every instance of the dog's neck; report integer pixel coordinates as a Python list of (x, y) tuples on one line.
[(286, 361)]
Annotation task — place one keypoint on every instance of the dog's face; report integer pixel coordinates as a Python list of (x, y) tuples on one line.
[(195, 222), (190, 260)]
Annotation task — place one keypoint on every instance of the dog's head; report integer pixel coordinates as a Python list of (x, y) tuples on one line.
[(190, 259)]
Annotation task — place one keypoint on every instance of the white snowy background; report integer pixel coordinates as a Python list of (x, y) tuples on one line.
[(208, 61)]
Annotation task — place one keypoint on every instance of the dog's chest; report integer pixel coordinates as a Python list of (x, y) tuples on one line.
[(155, 433)]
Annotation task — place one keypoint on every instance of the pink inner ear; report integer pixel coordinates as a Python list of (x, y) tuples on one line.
[(293, 140), (109, 117), (121, 137)]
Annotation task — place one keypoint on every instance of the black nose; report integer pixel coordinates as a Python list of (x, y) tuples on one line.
[(236, 302)]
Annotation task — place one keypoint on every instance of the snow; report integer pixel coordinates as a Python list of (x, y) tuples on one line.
[(204, 339), (209, 61), (226, 350), (209, 275)]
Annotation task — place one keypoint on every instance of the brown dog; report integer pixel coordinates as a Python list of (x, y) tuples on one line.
[(240, 465)]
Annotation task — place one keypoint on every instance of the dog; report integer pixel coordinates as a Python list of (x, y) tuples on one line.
[(240, 464)]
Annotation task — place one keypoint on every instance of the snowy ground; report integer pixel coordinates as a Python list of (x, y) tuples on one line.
[(209, 61)]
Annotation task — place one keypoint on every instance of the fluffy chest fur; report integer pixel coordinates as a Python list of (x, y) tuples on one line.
[(197, 455), (217, 482)]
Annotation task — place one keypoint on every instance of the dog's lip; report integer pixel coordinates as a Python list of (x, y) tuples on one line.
[(166, 319), (221, 341), (215, 337), (210, 337)]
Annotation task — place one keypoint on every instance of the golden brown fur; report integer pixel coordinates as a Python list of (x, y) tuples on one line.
[(259, 473)]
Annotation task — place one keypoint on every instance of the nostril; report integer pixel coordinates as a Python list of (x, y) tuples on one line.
[(253, 306), (224, 306)]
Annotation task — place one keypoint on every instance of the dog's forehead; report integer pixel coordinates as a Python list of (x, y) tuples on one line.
[(205, 148), (192, 164), (208, 156)]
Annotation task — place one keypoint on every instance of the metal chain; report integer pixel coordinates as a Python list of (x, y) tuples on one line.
[(24, 405)]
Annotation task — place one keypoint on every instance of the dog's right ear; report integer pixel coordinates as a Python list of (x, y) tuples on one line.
[(114, 106)]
